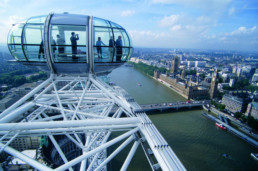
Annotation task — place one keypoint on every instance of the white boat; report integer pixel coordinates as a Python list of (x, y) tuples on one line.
[(255, 155)]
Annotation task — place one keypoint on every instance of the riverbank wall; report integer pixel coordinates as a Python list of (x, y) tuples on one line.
[(170, 87), (233, 131)]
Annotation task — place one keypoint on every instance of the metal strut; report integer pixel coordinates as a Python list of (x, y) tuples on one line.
[(78, 117)]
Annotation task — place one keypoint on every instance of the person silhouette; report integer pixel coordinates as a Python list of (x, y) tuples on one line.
[(74, 39), (53, 45), (60, 42), (41, 50), (99, 49), (119, 50), (111, 48)]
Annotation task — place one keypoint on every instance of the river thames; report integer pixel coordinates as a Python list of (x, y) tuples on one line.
[(197, 142)]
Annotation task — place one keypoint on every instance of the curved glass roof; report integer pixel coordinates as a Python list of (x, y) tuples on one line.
[(56, 41)]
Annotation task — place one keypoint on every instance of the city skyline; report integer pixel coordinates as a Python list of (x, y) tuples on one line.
[(202, 24)]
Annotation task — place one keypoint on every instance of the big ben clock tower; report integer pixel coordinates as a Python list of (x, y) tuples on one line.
[(214, 85)]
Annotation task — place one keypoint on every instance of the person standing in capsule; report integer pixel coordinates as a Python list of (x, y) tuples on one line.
[(119, 50), (99, 49), (111, 48), (41, 50), (74, 39), (60, 42)]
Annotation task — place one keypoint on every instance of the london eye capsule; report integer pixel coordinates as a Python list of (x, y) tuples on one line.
[(70, 44)]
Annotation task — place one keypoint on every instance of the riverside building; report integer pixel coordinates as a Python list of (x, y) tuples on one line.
[(185, 89), (234, 103), (252, 110)]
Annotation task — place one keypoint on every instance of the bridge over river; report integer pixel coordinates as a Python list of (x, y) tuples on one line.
[(173, 105)]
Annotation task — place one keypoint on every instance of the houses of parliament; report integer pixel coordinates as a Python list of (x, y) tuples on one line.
[(190, 88)]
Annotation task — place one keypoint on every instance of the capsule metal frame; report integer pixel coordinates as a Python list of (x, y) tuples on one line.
[(24, 43)]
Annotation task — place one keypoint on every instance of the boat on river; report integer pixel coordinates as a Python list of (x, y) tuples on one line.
[(220, 126)]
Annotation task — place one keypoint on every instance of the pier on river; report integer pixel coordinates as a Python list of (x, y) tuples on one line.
[(234, 131)]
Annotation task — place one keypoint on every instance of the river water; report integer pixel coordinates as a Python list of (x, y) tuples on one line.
[(197, 142)]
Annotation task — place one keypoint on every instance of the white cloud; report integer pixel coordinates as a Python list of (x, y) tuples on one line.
[(204, 20), (242, 38), (3, 6), (170, 39), (5, 26), (176, 28), (169, 20), (243, 30), (143, 34), (231, 11), (194, 25), (209, 5), (195, 33), (148, 38), (127, 13), (3, 3)]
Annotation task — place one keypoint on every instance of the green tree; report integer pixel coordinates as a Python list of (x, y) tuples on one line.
[(252, 122), (202, 76), (238, 114), (19, 80), (221, 107), (191, 72), (252, 88), (242, 85), (147, 69)]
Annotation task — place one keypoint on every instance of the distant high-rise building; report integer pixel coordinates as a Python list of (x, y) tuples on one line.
[(214, 85), (200, 63), (239, 70), (191, 64), (183, 74), (232, 82), (252, 109), (185, 63), (181, 57), (255, 76), (174, 66), (234, 69)]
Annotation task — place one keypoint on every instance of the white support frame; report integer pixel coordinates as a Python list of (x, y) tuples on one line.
[(77, 107)]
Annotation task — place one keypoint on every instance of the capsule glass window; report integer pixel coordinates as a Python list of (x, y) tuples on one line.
[(37, 20), (14, 42), (33, 42), (124, 36), (103, 44), (115, 25), (121, 45), (68, 43), (101, 22)]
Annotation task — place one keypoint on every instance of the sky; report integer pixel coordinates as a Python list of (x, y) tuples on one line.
[(202, 24)]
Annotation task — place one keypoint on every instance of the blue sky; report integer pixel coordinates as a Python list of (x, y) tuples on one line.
[(203, 24)]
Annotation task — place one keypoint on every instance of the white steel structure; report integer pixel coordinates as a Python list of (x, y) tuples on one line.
[(84, 106), (79, 117)]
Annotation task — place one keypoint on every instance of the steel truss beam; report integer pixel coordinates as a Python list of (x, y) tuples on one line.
[(82, 112)]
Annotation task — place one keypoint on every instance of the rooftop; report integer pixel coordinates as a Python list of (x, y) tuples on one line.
[(255, 105), (29, 153)]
